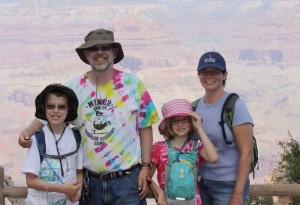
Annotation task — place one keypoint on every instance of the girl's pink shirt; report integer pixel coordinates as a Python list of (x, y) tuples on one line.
[(160, 158)]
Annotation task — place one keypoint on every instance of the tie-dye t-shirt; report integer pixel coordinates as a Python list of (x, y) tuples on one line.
[(109, 117)]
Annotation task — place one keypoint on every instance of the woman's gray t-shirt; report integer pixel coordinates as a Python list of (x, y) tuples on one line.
[(225, 169)]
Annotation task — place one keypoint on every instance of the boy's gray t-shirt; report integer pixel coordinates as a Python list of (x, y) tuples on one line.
[(225, 169)]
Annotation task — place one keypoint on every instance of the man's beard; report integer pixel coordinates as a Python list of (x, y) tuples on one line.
[(101, 68)]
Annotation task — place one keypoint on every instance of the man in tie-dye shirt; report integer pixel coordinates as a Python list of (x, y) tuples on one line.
[(115, 117)]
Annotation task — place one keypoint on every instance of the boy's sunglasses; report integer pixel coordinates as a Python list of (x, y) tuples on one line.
[(52, 107)]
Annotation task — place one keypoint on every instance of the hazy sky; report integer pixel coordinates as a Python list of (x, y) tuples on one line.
[(10, 1)]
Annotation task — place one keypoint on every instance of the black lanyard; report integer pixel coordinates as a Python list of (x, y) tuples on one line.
[(56, 144)]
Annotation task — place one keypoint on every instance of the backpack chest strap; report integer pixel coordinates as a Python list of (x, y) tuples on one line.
[(64, 156)]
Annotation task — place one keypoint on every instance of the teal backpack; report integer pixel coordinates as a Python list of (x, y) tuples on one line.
[(227, 117), (181, 172)]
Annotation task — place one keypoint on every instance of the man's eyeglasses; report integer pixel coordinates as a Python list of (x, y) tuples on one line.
[(175, 121), (53, 106), (210, 72), (100, 48)]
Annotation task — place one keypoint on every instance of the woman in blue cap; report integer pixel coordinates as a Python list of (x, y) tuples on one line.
[(225, 182)]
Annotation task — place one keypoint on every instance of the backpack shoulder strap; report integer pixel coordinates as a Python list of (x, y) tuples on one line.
[(169, 144), (41, 143), (195, 145), (228, 108), (77, 137), (227, 113), (195, 104)]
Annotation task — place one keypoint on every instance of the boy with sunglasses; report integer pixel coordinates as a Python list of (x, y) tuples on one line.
[(54, 177)]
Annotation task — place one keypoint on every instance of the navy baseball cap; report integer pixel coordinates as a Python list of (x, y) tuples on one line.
[(212, 59)]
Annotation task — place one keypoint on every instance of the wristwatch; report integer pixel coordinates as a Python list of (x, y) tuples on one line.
[(145, 164)]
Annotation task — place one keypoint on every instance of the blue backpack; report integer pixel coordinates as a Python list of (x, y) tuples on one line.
[(40, 140), (181, 172)]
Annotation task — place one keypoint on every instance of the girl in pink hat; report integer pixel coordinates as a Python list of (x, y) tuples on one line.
[(178, 125)]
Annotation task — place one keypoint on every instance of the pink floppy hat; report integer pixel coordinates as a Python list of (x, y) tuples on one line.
[(178, 107)]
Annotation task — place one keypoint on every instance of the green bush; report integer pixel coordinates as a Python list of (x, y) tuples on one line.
[(290, 162), (291, 155), (254, 200)]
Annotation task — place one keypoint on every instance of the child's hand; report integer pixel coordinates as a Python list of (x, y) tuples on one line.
[(76, 197), (162, 199), (158, 193), (196, 119), (71, 190)]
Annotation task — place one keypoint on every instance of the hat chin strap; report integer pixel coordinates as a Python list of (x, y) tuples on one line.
[(57, 128)]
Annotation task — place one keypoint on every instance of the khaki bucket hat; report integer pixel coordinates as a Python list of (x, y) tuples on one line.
[(100, 37)]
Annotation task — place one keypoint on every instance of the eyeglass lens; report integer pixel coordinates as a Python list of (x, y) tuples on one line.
[(53, 106), (181, 120), (102, 48), (210, 72)]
